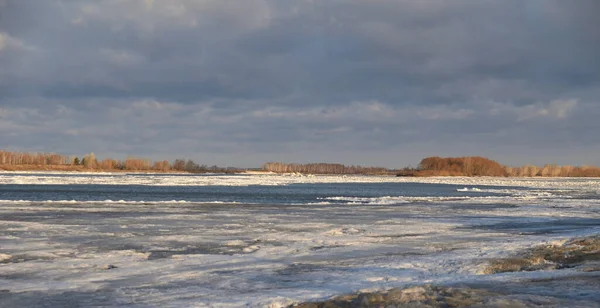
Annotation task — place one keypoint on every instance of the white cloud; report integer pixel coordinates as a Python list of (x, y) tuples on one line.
[(149, 16), (121, 58), (561, 108), (556, 109), (373, 110), (443, 112), (5, 41), (8, 42)]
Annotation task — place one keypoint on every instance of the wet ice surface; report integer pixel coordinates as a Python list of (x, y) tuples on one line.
[(172, 241)]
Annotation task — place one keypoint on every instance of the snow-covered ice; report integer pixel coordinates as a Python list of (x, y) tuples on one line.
[(76, 248), (69, 178)]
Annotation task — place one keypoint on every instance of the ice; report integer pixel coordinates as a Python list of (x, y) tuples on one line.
[(180, 253), (66, 178), (469, 189), (4, 257)]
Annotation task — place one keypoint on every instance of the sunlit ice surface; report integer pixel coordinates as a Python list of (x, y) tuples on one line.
[(143, 240)]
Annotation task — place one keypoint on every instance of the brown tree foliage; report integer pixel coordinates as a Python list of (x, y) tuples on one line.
[(179, 164), (89, 161), (480, 166), (462, 166), (136, 164), (323, 168), (51, 161), (163, 166), (24, 158), (553, 171), (438, 166), (430, 166), (109, 164)]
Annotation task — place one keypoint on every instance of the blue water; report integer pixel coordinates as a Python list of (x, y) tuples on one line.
[(252, 245), (255, 194)]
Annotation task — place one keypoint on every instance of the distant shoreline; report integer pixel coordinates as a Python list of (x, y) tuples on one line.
[(415, 173), (468, 166), (17, 168), (83, 169)]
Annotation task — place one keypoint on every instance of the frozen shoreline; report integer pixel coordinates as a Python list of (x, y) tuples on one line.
[(519, 294), (581, 255), (73, 250), (67, 178)]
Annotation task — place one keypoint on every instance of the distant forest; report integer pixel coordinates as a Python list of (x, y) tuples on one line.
[(480, 166), (323, 168), (430, 166), (50, 161), (438, 166)]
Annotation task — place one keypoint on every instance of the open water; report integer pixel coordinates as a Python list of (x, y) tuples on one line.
[(268, 240)]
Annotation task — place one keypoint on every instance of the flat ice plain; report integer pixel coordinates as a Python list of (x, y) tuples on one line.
[(273, 240)]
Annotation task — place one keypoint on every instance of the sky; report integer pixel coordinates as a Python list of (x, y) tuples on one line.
[(240, 83)]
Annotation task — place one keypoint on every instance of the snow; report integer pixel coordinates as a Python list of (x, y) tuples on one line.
[(176, 253), (69, 178)]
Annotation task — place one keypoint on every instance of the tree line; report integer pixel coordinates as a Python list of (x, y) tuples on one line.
[(480, 166), (24, 158), (429, 166), (464, 166), (52, 161), (323, 168), (438, 166)]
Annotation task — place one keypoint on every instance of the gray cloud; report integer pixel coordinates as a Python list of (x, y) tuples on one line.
[(241, 82)]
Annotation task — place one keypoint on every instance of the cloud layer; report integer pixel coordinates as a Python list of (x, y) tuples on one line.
[(243, 82)]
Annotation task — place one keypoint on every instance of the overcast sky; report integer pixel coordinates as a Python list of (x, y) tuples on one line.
[(239, 83)]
